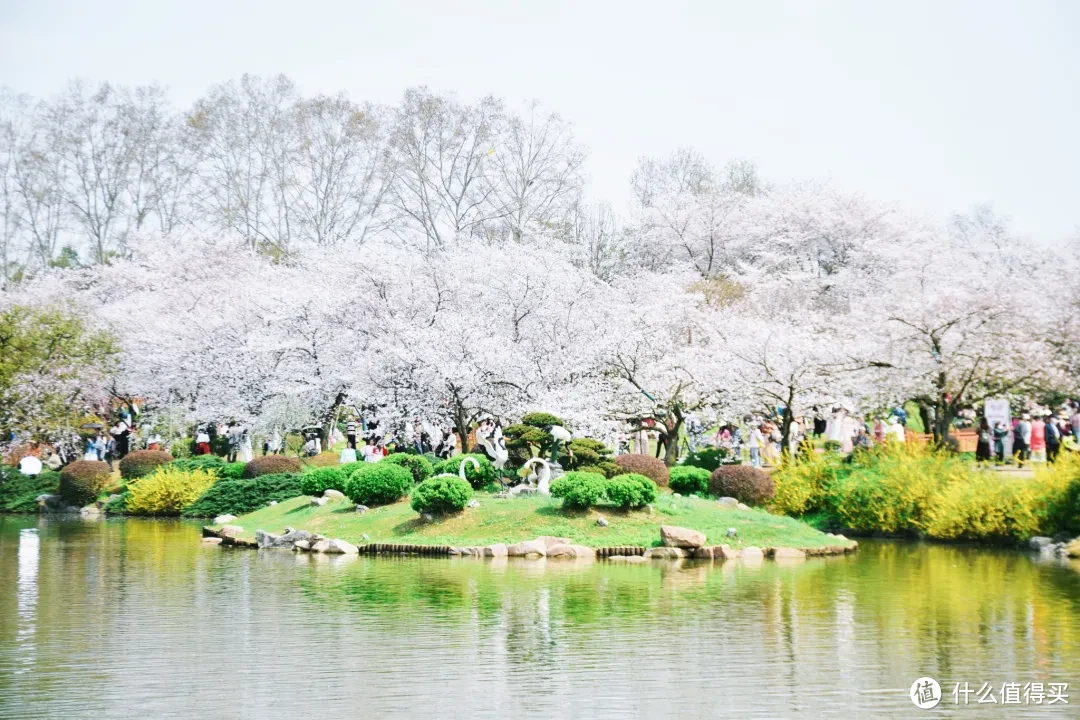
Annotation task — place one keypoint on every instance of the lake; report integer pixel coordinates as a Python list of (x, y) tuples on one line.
[(136, 618)]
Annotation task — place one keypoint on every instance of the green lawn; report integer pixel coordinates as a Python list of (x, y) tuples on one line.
[(508, 521)]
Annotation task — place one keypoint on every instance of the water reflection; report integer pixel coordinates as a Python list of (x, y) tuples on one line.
[(123, 618)]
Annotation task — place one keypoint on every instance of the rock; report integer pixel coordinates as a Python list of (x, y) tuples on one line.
[(267, 540), (302, 545), (525, 548), (49, 502), (601, 521), (841, 537), (320, 501), (732, 532), (340, 547), (666, 553), (365, 537), (752, 554), (549, 541), (785, 553), (627, 558), (362, 509), (673, 536), (427, 517), (1072, 549), (332, 494), (676, 495), (725, 552), (272, 503), (211, 541), (224, 519), (501, 496), (473, 504), (1063, 537), (650, 509), (1038, 542), (521, 490), (703, 553), (288, 529), (496, 550), (570, 551), (467, 551), (231, 531), (728, 502), (743, 506), (320, 546)]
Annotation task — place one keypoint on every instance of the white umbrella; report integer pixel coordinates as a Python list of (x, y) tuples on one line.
[(30, 465)]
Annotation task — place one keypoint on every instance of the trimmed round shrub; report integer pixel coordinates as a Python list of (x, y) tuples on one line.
[(320, 480), (83, 480), (418, 465), (579, 489), (742, 482), (688, 480), (350, 467), (478, 478), (650, 467), (139, 463), (707, 459), (379, 484), (271, 465), (238, 497), (232, 471), (200, 462), (441, 494), (631, 490), (167, 491)]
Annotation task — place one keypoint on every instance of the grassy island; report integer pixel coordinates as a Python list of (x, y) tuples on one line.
[(499, 520)]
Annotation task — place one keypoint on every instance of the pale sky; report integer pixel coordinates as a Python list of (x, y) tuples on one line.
[(935, 106)]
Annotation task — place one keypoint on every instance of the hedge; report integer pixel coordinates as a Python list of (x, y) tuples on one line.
[(139, 463), (379, 484), (441, 494), (418, 465), (238, 497), (645, 465), (271, 465), (743, 482)]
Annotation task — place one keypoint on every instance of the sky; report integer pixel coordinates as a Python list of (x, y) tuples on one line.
[(933, 106)]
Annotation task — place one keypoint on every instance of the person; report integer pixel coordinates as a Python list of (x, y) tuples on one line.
[(1037, 446), (879, 430), (754, 442), (694, 431), (109, 449), (896, 430), (901, 415), (1053, 438), (1075, 421), (246, 453), (1000, 433), (819, 422), (350, 433), (121, 437), (154, 442), (447, 443), (309, 448), (1022, 440), (986, 438), (91, 454), (232, 434)]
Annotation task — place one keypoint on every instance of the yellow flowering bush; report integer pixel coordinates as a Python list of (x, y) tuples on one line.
[(167, 491)]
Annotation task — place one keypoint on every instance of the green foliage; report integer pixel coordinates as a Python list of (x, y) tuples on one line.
[(83, 480), (272, 465), (529, 436), (139, 463), (59, 349), (477, 477), (579, 489), (167, 491), (441, 494), (379, 484), (742, 482), (418, 465), (117, 505), (237, 497), (349, 468), (630, 490), (19, 493), (586, 452), (232, 471), (688, 479), (319, 480), (645, 465), (200, 462), (542, 419), (707, 459)]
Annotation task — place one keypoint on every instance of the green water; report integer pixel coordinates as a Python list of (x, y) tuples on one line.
[(121, 619)]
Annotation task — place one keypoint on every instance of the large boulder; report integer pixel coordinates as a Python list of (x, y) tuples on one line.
[(666, 553), (287, 541), (679, 537), (231, 531), (728, 502), (224, 519), (1038, 542), (1073, 549), (333, 494), (570, 551), (526, 548), (550, 541), (752, 554), (334, 547), (495, 551), (785, 553)]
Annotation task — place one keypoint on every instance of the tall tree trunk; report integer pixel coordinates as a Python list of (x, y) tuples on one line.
[(786, 421), (671, 442), (330, 418)]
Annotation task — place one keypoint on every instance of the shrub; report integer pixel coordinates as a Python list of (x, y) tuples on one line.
[(271, 465), (650, 467), (985, 507), (232, 471), (689, 479), (379, 484), (441, 494), (167, 491), (742, 482), (319, 480), (585, 452), (631, 490), (416, 464), (83, 480), (139, 463), (530, 435), (477, 477), (579, 489), (238, 497), (349, 468), (706, 459), (200, 462), (805, 486), (19, 493)]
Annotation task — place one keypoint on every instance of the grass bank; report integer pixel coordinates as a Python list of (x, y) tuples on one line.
[(509, 521)]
